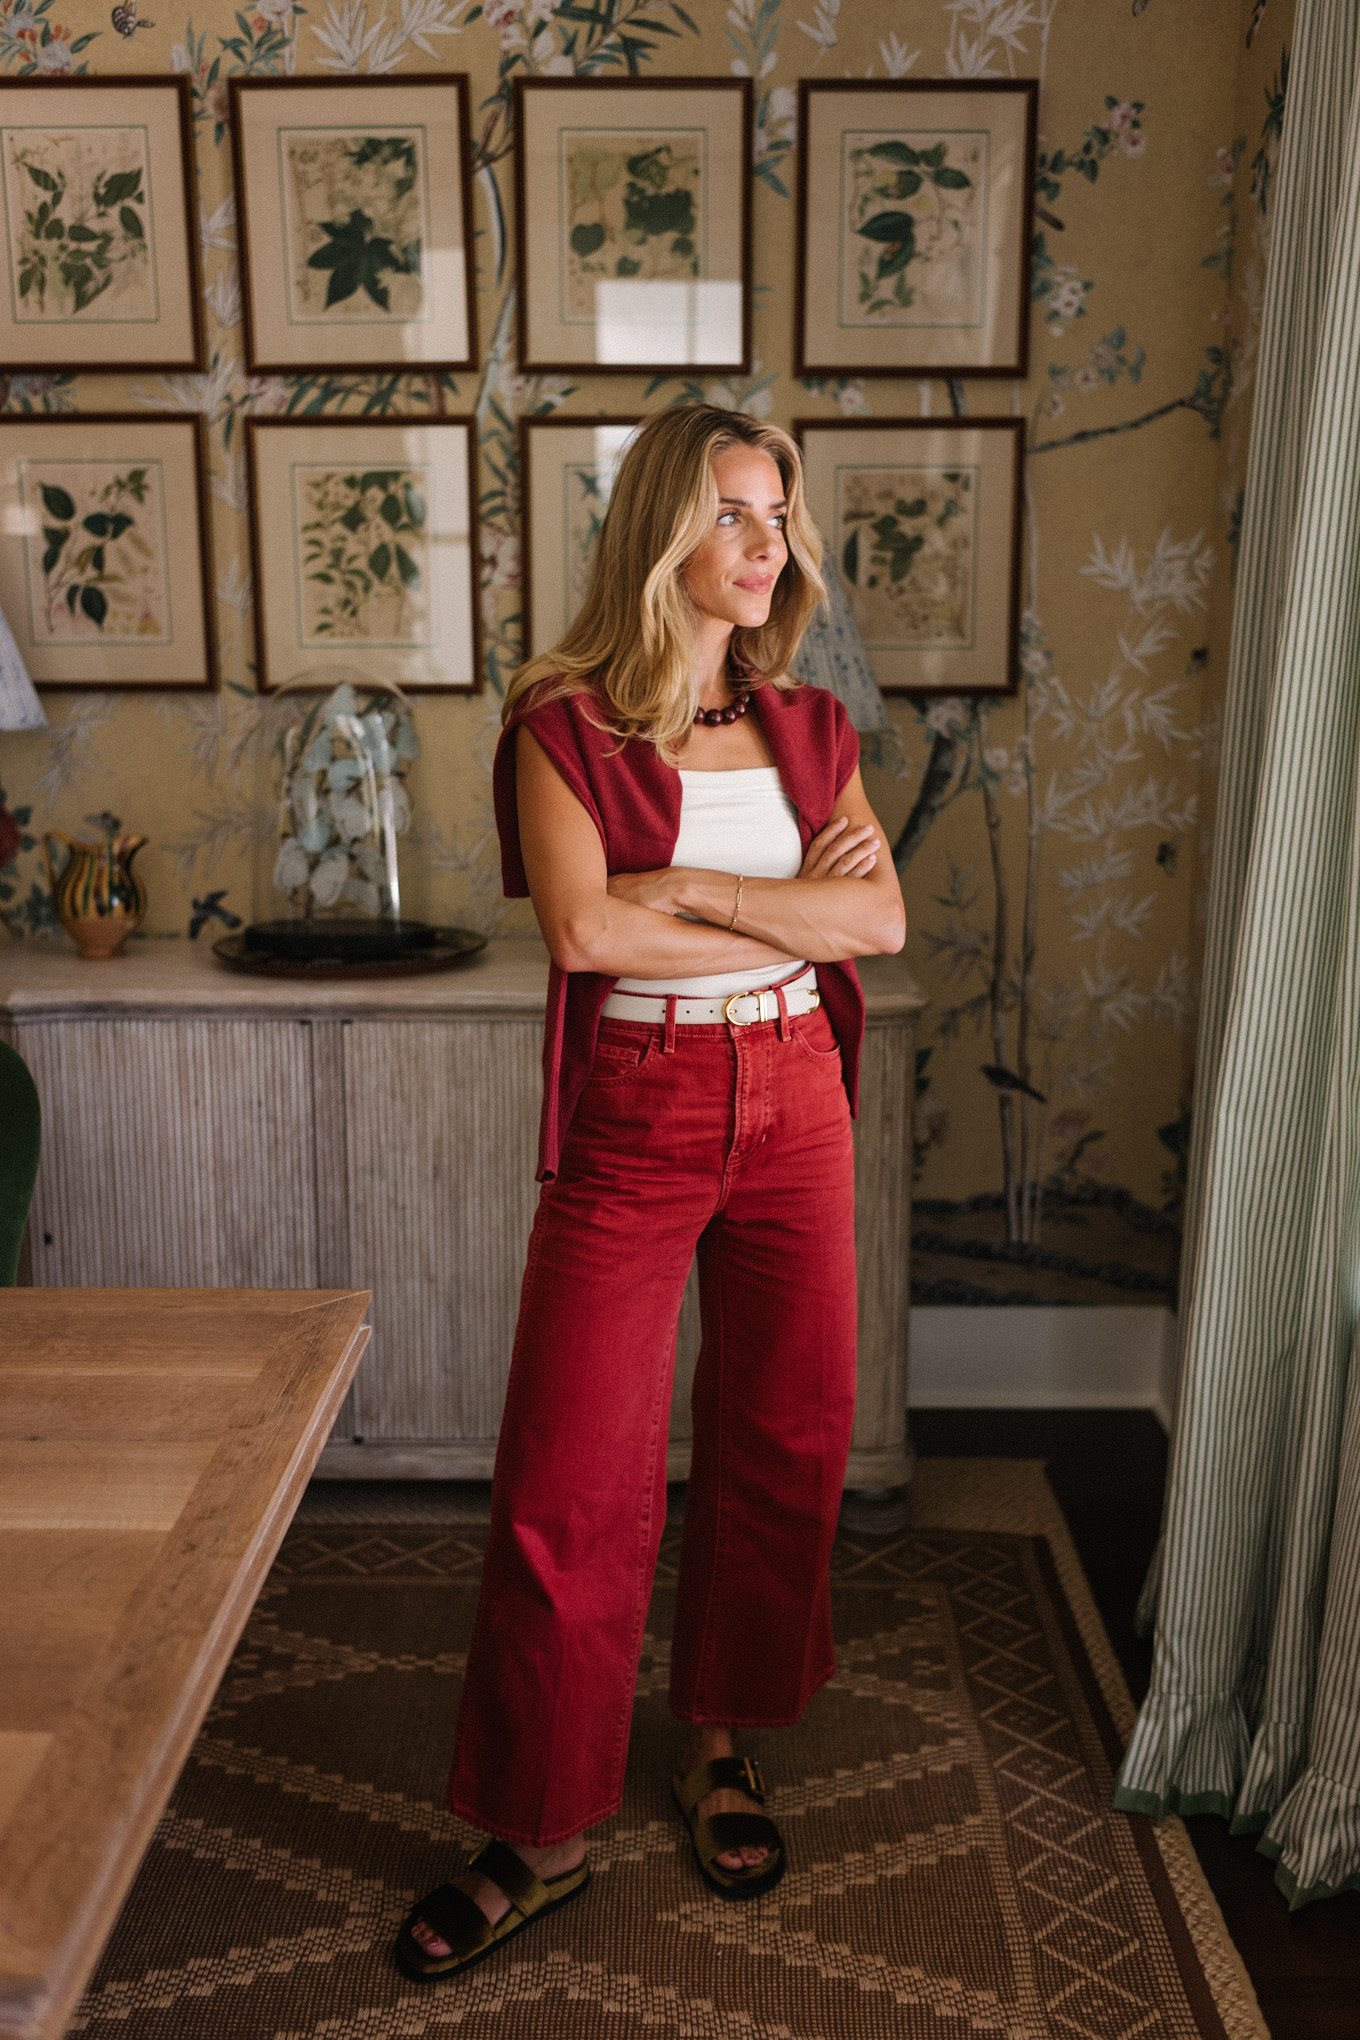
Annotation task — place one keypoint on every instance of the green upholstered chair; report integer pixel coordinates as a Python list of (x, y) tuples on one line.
[(20, 1140)]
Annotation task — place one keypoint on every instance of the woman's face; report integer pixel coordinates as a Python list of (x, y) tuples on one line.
[(732, 575)]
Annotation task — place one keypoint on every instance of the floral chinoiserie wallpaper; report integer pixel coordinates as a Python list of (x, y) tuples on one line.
[(1054, 847)]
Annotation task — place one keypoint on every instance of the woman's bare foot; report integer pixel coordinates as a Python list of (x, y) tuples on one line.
[(702, 1746), (544, 1863)]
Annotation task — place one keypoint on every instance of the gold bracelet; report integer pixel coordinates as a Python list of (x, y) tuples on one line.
[(732, 924)]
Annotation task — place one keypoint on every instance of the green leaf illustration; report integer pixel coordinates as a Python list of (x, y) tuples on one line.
[(131, 225), (949, 179), (850, 558), (56, 536), (586, 239), (894, 152), (92, 601), (658, 212), (57, 503), (356, 258), (890, 226), (379, 560), (42, 178), (111, 191), (406, 567)]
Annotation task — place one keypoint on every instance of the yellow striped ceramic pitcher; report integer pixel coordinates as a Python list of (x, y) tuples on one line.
[(97, 896)]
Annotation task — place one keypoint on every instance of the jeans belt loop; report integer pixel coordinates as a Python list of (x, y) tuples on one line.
[(785, 1030), (668, 1042)]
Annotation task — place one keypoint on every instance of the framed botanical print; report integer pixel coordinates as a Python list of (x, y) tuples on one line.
[(915, 208), (100, 260), (364, 535), (922, 517), (634, 223), (104, 567), (567, 468), (354, 201)]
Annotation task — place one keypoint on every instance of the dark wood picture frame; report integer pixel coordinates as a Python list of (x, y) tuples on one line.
[(319, 357), (1017, 365), (117, 85), (464, 421), (804, 428), (197, 426), (529, 426), (742, 89)]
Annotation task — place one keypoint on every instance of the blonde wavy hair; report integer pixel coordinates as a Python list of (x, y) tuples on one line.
[(632, 643)]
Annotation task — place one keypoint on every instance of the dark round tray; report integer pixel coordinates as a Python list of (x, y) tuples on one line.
[(450, 947)]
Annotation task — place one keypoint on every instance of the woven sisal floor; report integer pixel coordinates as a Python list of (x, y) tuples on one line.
[(957, 1873)]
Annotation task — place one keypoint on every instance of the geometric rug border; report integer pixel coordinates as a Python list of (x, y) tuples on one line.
[(1014, 1495)]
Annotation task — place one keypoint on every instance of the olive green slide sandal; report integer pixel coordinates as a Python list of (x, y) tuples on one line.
[(460, 1921), (720, 1832)]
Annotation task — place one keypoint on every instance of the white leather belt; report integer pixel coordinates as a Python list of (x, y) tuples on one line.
[(741, 1009)]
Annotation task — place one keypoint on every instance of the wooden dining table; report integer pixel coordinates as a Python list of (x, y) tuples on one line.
[(154, 1444)]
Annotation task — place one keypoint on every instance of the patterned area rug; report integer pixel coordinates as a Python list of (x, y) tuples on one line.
[(957, 1871)]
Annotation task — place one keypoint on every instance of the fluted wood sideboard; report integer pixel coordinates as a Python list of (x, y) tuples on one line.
[(204, 1129)]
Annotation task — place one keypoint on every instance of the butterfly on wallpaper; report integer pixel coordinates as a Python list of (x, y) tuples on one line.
[(124, 18)]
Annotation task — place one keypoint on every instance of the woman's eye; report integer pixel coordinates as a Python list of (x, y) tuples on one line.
[(728, 517)]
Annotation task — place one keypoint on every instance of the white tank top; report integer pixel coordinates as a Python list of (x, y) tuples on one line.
[(737, 822)]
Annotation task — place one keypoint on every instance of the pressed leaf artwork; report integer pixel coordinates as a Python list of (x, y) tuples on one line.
[(635, 208), (95, 551), (364, 569), (906, 545), (913, 229), (355, 221), (77, 211)]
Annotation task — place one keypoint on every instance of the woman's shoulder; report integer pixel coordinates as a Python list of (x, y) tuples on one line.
[(557, 699), (818, 707)]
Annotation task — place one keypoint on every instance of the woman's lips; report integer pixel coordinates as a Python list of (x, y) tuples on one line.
[(757, 584)]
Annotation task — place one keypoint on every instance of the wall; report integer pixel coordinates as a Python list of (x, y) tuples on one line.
[(1070, 819)]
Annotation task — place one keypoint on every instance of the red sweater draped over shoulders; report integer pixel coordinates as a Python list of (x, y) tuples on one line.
[(633, 798)]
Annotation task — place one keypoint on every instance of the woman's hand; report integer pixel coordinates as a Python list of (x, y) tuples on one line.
[(842, 852)]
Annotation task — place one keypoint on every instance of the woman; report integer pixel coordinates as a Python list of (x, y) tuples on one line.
[(690, 825)]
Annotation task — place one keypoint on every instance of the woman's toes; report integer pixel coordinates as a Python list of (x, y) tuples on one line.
[(430, 1941)]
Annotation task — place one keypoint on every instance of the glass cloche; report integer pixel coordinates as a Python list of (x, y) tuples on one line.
[(337, 879)]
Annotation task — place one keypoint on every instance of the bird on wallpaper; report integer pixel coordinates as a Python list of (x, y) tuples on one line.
[(1006, 1080), (124, 18), (210, 908)]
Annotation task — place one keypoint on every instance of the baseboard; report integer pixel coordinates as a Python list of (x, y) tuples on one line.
[(1037, 1357)]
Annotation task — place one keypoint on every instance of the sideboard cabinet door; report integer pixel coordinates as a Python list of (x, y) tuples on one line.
[(177, 1153), (441, 1144)]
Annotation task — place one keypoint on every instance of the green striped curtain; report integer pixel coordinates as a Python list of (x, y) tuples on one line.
[(1254, 1709)]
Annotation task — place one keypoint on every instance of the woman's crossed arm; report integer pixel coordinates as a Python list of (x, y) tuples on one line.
[(629, 925)]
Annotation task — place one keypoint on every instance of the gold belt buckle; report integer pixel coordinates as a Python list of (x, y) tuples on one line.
[(732, 1019)]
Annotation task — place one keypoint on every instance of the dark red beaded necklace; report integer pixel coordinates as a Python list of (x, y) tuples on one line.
[(734, 711)]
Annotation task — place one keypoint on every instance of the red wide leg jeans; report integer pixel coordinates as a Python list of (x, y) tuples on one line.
[(733, 1142)]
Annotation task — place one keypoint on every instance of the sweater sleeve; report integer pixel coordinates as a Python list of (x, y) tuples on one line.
[(847, 747), (555, 729)]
